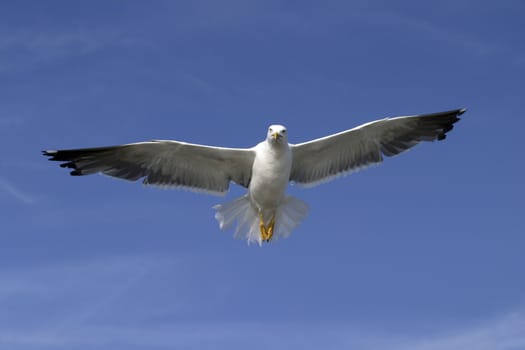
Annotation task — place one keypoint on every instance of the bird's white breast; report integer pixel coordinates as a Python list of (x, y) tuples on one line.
[(270, 175)]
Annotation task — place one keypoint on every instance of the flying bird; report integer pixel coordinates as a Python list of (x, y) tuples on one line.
[(265, 211)]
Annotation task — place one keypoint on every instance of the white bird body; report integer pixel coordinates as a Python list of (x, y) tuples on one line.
[(265, 203), (265, 170), (270, 174)]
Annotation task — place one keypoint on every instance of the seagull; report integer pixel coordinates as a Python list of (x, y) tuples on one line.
[(265, 211)]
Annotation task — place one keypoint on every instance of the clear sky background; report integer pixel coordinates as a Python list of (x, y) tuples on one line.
[(423, 252)]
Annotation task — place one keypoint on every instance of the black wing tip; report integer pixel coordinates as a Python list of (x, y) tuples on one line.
[(451, 112), (54, 155), (49, 153), (443, 122), (454, 114), (71, 165), (450, 126)]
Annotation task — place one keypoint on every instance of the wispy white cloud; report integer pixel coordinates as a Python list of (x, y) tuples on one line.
[(444, 33), (502, 334), (23, 48), (14, 192), (454, 36), (52, 281), (44, 305), (100, 303)]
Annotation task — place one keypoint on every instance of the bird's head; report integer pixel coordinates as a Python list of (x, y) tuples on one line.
[(277, 134)]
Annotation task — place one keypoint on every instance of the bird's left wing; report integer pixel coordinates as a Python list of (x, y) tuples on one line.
[(325, 158), (163, 163)]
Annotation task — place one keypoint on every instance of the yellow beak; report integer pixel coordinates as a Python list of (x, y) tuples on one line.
[(275, 135)]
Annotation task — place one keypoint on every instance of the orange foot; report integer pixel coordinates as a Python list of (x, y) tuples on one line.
[(266, 231)]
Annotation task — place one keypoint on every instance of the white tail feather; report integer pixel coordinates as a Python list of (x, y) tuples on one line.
[(240, 210)]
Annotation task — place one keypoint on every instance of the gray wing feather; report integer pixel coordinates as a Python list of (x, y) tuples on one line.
[(322, 159), (163, 163)]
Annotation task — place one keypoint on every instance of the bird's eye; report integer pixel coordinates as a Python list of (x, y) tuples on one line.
[(284, 131), (270, 130)]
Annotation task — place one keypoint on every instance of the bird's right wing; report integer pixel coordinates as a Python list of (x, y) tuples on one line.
[(325, 158), (163, 163)]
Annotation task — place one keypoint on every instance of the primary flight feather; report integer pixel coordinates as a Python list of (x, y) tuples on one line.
[(265, 170)]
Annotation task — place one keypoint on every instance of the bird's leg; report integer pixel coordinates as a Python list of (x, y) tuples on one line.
[(262, 228), (266, 231), (269, 229)]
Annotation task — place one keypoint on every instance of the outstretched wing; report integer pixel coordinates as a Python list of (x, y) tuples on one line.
[(163, 163), (325, 158)]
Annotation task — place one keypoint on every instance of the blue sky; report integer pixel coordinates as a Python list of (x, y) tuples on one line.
[(422, 252)]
